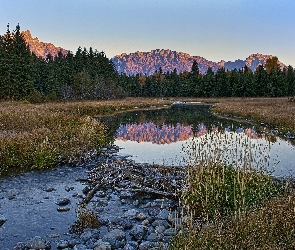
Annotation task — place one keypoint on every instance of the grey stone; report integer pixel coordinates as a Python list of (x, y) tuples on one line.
[(86, 190), (125, 194), (63, 201), (160, 223), (154, 211), (103, 230), (89, 233), (63, 209), (20, 246), (169, 232), (80, 247), (145, 222), (38, 243), (68, 189), (147, 245), (91, 243), (62, 244), (138, 231), (2, 220), (116, 238), (135, 203), (101, 245), (50, 189), (160, 229), (163, 215), (101, 194), (73, 242), (155, 237), (103, 221), (132, 213), (141, 216), (131, 245), (146, 205), (126, 223), (167, 239)]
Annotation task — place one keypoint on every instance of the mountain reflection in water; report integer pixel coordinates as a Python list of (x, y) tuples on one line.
[(149, 132), (166, 134)]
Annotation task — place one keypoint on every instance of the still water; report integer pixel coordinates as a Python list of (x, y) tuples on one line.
[(184, 134)]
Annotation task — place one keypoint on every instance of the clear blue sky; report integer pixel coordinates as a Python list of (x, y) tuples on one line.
[(214, 29)]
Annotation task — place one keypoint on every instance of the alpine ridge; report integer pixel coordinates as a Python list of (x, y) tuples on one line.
[(147, 63), (150, 62), (41, 49)]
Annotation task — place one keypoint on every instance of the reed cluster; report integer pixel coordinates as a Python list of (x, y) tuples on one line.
[(231, 198)]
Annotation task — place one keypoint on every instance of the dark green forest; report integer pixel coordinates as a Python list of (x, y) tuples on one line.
[(90, 75)]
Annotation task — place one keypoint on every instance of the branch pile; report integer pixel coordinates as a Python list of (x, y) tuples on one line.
[(138, 178)]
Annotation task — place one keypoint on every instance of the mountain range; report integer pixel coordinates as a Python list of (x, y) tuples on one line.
[(150, 62)]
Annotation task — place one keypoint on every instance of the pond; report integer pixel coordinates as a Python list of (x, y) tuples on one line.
[(185, 133)]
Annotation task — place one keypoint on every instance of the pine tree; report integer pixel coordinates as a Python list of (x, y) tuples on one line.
[(221, 87), (290, 78), (18, 66)]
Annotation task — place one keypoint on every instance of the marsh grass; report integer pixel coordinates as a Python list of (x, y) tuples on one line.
[(271, 226), (38, 136), (231, 199), (277, 112)]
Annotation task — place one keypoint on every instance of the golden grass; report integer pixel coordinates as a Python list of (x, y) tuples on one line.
[(278, 112), (43, 135), (274, 111), (271, 226)]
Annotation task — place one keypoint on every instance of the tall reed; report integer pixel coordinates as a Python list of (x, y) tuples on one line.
[(229, 179)]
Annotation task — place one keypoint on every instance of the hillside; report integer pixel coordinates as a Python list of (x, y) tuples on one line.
[(148, 62)]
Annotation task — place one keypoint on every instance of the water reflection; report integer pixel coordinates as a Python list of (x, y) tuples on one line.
[(166, 134), (150, 132)]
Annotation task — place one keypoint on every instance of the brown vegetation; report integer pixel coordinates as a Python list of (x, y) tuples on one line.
[(278, 112), (43, 135)]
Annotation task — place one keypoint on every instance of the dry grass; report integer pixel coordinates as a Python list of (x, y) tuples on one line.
[(43, 135), (231, 200), (275, 111), (271, 226)]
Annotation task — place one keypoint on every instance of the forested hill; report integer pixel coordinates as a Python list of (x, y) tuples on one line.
[(150, 62)]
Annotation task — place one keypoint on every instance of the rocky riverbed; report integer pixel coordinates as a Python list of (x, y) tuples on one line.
[(135, 205)]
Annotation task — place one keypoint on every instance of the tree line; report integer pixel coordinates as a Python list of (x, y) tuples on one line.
[(267, 81), (89, 74)]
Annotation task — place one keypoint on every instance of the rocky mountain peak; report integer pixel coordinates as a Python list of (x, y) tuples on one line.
[(41, 49), (149, 62)]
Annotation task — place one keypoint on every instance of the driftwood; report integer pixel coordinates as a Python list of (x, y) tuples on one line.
[(123, 175), (149, 191)]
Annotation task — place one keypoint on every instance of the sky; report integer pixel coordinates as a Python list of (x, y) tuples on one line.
[(214, 29)]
